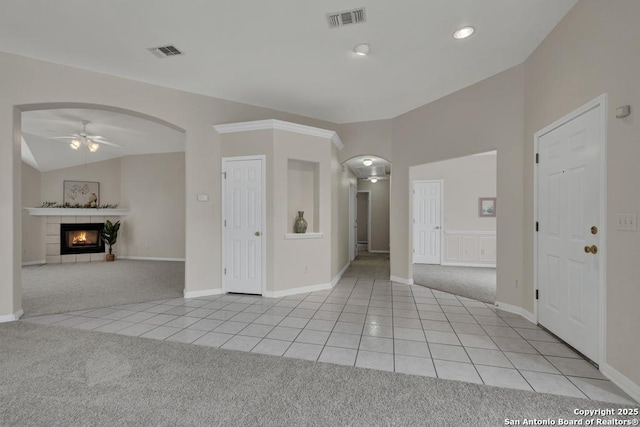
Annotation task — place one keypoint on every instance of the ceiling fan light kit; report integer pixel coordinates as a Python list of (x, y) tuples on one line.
[(80, 138)]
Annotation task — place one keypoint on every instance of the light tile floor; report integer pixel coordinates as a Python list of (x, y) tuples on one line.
[(367, 323)]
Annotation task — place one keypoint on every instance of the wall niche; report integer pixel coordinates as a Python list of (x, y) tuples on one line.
[(303, 193)]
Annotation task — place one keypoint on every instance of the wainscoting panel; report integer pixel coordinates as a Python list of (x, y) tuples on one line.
[(470, 248)]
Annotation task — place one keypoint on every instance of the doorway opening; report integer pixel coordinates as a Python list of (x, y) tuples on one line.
[(370, 178), (81, 167), (454, 223)]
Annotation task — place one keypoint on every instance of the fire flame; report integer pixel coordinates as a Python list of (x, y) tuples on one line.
[(80, 238)]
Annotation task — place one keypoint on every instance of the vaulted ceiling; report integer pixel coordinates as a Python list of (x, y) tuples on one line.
[(282, 54), (42, 149)]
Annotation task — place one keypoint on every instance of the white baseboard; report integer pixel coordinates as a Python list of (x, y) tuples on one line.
[(149, 258), (338, 276), (205, 293), (467, 264), (377, 252), (296, 291), (26, 264), (12, 317), (619, 379), (516, 310), (401, 280)]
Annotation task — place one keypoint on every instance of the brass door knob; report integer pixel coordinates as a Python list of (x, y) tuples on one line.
[(257, 233), (593, 249), (594, 230)]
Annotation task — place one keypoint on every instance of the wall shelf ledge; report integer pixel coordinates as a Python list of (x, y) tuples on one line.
[(298, 236), (76, 212)]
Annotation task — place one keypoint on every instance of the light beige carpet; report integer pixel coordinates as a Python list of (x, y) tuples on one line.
[(369, 266), (60, 288)]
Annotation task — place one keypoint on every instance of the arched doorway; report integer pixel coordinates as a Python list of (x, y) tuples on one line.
[(137, 163), (369, 216)]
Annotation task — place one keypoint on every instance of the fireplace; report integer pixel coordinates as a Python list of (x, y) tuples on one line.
[(81, 239)]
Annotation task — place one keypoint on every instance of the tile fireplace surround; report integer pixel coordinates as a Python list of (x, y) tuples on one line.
[(53, 217), (52, 238)]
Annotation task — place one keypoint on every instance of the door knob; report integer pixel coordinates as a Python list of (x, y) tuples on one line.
[(257, 233), (436, 228), (594, 230), (593, 249)]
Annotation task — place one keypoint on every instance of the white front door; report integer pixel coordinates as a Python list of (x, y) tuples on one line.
[(243, 226), (427, 222), (569, 224)]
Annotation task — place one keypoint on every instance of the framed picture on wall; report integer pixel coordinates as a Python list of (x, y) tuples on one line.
[(486, 206), (81, 193)]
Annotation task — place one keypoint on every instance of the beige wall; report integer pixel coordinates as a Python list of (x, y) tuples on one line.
[(483, 117), (366, 138), (295, 263), (304, 262), (341, 179), (379, 194), (153, 188), (32, 244), (594, 50), (31, 84), (107, 173), (465, 180)]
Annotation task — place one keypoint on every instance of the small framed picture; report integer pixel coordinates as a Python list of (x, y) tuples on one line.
[(486, 206), (81, 193)]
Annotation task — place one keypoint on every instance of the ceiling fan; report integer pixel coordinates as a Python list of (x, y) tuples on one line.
[(80, 138)]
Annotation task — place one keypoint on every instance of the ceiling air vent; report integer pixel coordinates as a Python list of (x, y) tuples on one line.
[(165, 51), (346, 17)]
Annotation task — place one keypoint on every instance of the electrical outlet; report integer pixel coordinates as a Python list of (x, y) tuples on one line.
[(517, 284), (627, 222)]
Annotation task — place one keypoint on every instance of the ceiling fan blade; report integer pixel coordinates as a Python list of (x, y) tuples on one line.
[(63, 137), (105, 142)]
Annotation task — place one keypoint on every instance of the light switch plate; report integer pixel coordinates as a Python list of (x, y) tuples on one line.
[(627, 222), (203, 197)]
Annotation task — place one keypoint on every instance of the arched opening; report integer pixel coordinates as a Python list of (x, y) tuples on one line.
[(369, 226), (132, 166)]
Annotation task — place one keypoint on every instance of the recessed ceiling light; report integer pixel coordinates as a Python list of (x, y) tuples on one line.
[(362, 49), (374, 180), (463, 33), (367, 162)]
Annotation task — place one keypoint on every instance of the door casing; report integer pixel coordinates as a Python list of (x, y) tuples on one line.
[(265, 234), (602, 102)]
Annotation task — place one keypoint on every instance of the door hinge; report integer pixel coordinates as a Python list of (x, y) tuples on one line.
[(225, 222), (537, 157), (225, 271), (537, 226), (537, 294), (224, 174)]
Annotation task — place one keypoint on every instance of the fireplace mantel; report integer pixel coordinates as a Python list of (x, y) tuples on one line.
[(76, 212)]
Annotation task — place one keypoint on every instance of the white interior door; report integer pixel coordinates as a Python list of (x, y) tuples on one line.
[(427, 222), (243, 226), (568, 207)]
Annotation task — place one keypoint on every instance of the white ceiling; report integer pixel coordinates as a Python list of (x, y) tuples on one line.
[(381, 168), (135, 135), (281, 54)]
